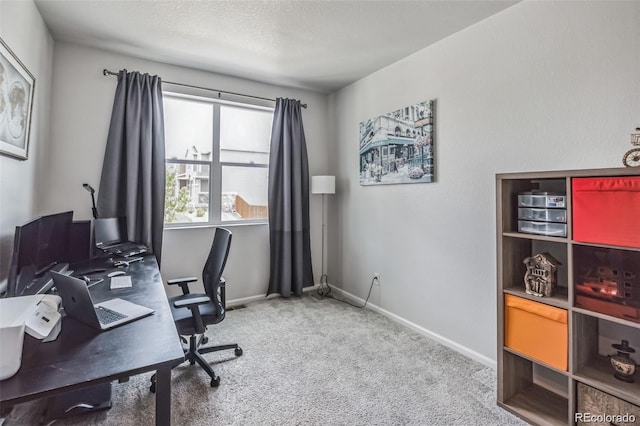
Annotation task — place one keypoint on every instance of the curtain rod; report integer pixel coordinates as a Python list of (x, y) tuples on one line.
[(106, 72)]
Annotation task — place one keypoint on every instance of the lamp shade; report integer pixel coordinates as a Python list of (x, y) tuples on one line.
[(323, 184)]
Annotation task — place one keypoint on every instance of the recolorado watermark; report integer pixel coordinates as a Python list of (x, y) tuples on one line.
[(604, 418)]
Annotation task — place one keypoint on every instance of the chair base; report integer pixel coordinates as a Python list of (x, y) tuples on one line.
[(194, 355)]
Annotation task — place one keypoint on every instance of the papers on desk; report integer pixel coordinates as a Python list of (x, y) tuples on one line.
[(123, 281)]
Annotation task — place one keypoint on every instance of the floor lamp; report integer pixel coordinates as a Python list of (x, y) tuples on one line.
[(323, 185)]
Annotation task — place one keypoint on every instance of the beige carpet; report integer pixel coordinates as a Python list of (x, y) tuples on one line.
[(312, 362)]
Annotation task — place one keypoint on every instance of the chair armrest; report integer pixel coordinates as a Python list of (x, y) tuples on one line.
[(183, 283), (182, 280), (192, 303), (189, 303)]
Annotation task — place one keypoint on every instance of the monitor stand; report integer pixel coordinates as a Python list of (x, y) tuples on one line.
[(29, 283)]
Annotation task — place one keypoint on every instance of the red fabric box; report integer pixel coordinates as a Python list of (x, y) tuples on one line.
[(607, 210)]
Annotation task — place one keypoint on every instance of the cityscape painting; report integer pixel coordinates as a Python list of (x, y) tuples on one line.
[(398, 147)]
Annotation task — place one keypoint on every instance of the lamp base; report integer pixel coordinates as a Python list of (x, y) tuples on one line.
[(324, 289)]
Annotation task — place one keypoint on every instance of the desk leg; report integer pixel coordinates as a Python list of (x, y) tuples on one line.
[(163, 396)]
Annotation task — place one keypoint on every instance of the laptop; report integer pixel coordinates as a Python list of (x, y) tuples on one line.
[(78, 304), (109, 234)]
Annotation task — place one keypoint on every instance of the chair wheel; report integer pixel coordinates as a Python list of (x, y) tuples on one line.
[(205, 340), (215, 382), (238, 351), (152, 388), (191, 362)]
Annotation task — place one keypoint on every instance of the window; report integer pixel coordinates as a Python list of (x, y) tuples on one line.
[(217, 161)]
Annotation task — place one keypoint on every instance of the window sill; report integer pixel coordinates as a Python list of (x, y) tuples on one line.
[(212, 225)]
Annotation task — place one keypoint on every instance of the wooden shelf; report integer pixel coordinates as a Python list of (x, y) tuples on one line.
[(538, 405), (598, 373), (559, 300), (528, 358), (519, 375), (535, 237), (580, 243), (606, 317)]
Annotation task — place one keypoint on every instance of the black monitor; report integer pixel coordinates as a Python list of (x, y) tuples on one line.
[(109, 231), (26, 243), (53, 240), (39, 245), (80, 248), (23, 258)]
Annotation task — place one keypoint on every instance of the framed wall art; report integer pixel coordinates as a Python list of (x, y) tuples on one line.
[(16, 102), (398, 147)]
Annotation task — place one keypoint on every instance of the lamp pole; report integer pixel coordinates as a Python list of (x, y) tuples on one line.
[(325, 276), (323, 185)]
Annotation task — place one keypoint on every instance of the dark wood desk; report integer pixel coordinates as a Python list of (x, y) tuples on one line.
[(82, 357)]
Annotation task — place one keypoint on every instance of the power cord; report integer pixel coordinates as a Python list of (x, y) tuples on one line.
[(326, 293), (98, 281), (91, 282)]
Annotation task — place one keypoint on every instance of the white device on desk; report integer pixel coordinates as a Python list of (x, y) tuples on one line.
[(36, 315), (44, 323)]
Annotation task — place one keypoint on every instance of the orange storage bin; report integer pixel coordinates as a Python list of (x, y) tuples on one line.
[(607, 210), (536, 330)]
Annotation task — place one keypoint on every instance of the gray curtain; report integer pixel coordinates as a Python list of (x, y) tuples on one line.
[(133, 171), (289, 236)]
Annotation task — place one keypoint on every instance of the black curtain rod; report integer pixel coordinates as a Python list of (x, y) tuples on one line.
[(106, 72)]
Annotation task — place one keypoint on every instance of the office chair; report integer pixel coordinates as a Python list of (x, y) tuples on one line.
[(192, 313)]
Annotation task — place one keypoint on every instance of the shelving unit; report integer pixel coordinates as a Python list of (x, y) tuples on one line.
[(528, 387)]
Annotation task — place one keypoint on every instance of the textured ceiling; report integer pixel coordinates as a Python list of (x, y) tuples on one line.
[(321, 45)]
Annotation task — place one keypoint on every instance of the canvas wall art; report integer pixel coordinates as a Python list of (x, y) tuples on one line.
[(16, 100), (398, 147)]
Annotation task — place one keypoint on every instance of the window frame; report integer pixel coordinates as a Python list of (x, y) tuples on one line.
[(215, 164)]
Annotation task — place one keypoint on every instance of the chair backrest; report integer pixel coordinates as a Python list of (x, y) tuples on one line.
[(216, 262)]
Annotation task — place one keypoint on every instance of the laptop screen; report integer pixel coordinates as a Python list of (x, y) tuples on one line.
[(109, 231)]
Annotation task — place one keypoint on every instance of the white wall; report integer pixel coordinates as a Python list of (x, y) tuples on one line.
[(81, 109), (539, 86), (22, 29)]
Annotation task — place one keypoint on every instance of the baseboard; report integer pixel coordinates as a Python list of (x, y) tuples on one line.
[(245, 300), (430, 334)]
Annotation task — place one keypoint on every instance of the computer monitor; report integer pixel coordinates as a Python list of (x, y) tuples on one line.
[(25, 244), (80, 247), (109, 231), (53, 240), (39, 245)]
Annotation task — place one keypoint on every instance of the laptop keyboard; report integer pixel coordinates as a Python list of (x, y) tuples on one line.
[(107, 316)]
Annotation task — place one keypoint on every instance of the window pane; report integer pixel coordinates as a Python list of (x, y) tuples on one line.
[(245, 135), (188, 128), (244, 193), (232, 156), (186, 193)]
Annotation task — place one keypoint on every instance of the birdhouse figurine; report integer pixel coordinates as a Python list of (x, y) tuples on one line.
[(540, 278)]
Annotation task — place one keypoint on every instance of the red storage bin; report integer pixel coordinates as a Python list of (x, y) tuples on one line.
[(607, 210)]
